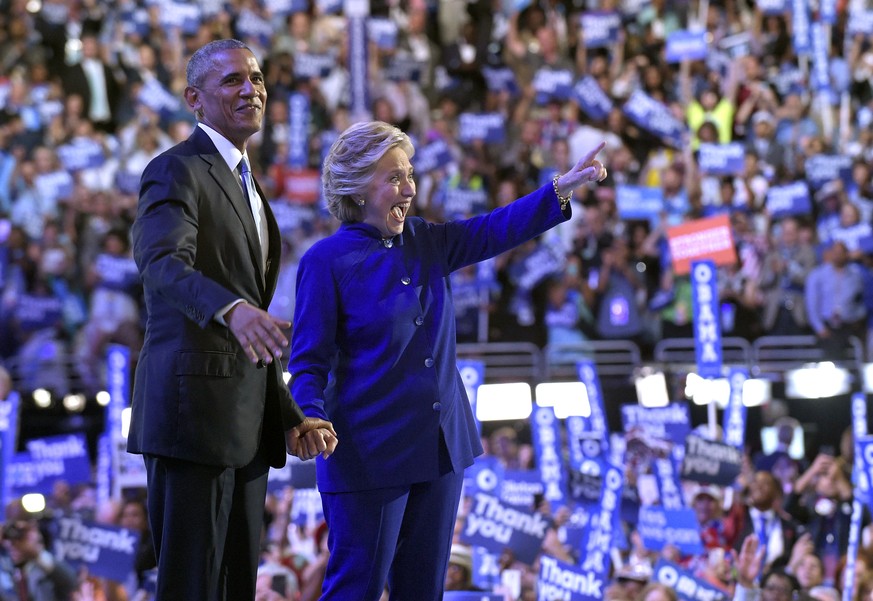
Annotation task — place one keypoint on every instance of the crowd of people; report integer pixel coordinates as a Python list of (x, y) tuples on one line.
[(780, 531), (89, 94)]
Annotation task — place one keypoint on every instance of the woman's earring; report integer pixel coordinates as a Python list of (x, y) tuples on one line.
[(360, 202)]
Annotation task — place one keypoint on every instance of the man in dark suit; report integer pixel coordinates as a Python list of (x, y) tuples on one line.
[(211, 410), (94, 80), (762, 515)]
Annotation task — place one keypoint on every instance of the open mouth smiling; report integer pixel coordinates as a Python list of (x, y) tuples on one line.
[(400, 210)]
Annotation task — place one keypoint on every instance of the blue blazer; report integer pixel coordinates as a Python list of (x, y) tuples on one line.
[(196, 395), (374, 341)]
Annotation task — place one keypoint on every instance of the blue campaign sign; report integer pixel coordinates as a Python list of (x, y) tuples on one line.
[(107, 551), (103, 476), (298, 131), (8, 438), (306, 509), (471, 596), (329, 7), (861, 22), (735, 414), (56, 185), (487, 127), (296, 474), (486, 568), (158, 98), (310, 65), (472, 375), (358, 64), (592, 99), (773, 7), (497, 526), (561, 580), (46, 461), (599, 534), (687, 586), (520, 487), (485, 475), (460, 203), (683, 45), (666, 423), (654, 117), (430, 157), (546, 434), (790, 199), (404, 68), (251, 25), (722, 159), (81, 153), (383, 32), (286, 7), (500, 79), (827, 11), (600, 28), (821, 78), (678, 527), (180, 15), (587, 371), (800, 26), (669, 490), (864, 446), (118, 387), (552, 84), (823, 168), (639, 202), (707, 326), (711, 462), (859, 430)]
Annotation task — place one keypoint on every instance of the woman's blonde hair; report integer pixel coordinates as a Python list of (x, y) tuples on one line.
[(351, 162)]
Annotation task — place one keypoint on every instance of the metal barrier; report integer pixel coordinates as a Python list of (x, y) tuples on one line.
[(675, 353), (506, 361), (612, 357), (780, 353)]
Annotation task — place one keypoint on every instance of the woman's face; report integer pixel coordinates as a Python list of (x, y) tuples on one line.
[(809, 571), (389, 194)]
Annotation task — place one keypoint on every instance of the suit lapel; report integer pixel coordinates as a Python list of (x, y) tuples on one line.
[(231, 189)]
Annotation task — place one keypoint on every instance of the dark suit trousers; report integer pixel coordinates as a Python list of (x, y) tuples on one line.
[(399, 535), (206, 522)]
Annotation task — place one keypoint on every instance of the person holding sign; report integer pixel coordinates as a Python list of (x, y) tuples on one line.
[(374, 352), (211, 410)]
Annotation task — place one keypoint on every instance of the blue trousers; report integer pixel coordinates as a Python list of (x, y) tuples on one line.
[(400, 536)]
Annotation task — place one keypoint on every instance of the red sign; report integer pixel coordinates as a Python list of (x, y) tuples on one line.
[(708, 238)]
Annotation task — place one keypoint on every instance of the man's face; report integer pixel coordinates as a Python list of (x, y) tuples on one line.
[(232, 96)]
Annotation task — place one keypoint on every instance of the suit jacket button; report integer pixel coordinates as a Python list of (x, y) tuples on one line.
[(428, 362), (437, 406), (405, 281), (419, 320)]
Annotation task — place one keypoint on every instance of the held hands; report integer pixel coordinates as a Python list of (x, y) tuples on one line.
[(310, 438), (259, 333), (587, 169)]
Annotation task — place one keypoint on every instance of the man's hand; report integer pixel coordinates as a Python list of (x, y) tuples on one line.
[(312, 437), (259, 333), (748, 562)]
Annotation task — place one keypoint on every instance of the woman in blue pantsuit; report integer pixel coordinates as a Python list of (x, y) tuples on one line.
[(374, 352)]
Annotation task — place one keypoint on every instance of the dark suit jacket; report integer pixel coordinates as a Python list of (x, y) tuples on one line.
[(196, 395), (76, 82), (738, 526)]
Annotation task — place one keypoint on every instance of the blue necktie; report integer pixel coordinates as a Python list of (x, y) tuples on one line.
[(246, 180), (251, 193)]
